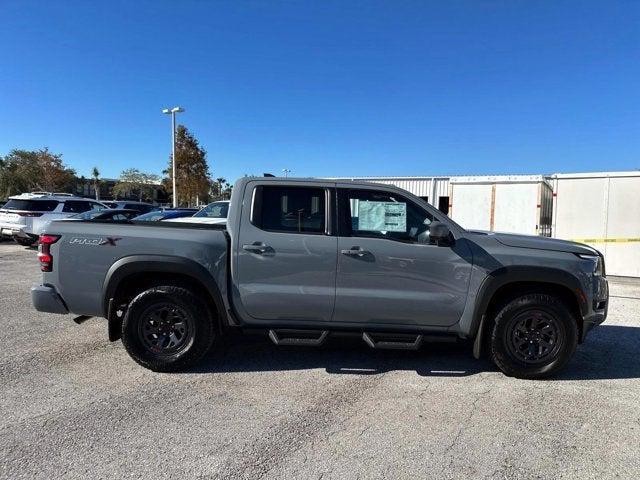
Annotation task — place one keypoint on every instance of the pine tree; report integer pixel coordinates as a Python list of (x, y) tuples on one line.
[(192, 171)]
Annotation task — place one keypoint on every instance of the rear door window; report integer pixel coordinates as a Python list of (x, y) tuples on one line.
[(76, 206), (97, 206), (32, 205), (290, 209)]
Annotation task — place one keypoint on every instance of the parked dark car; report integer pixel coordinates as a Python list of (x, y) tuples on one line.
[(157, 215), (111, 214), (140, 207)]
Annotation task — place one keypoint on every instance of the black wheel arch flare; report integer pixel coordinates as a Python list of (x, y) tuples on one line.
[(505, 276), (166, 264)]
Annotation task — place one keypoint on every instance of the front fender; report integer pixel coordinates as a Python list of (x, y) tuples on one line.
[(512, 274)]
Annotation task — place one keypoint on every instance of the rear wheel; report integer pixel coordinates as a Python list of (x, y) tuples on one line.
[(534, 336), (167, 329)]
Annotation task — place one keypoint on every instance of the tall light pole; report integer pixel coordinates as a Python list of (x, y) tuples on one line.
[(286, 172), (172, 112)]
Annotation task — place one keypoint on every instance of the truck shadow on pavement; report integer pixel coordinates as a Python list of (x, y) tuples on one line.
[(610, 352)]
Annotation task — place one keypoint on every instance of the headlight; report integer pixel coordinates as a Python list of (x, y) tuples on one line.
[(597, 260)]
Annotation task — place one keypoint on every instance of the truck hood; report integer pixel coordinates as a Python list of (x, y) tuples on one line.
[(538, 242)]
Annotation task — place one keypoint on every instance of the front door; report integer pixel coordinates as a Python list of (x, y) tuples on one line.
[(286, 266), (388, 271)]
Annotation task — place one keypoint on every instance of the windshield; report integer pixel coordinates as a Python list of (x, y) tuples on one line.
[(214, 210), (88, 215), (152, 216), (32, 205)]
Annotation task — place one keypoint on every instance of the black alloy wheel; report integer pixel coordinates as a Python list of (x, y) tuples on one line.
[(168, 328), (165, 329), (534, 336)]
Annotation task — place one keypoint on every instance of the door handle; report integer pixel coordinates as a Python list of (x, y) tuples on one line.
[(355, 251), (258, 248)]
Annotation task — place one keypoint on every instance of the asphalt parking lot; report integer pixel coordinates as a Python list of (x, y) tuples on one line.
[(75, 406)]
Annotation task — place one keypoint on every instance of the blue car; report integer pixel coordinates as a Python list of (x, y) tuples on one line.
[(158, 215)]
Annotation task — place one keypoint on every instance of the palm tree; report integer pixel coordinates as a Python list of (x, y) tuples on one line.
[(221, 181), (96, 182)]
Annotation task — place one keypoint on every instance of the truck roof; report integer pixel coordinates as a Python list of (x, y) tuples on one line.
[(316, 180)]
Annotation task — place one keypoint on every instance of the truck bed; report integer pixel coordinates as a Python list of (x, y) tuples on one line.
[(94, 250)]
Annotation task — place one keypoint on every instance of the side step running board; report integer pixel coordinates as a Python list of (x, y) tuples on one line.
[(402, 341), (82, 318), (309, 338)]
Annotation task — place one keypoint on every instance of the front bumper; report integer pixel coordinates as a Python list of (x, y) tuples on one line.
[(45, 298), (600, 308)]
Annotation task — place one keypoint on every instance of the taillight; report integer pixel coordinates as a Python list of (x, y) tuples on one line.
[(29, 214), (44, 251)]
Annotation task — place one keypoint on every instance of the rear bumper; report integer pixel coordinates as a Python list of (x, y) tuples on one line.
[(45, 298), (12, 230)]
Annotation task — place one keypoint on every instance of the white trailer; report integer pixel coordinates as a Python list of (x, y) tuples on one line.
[(601, 210), (502, 203)]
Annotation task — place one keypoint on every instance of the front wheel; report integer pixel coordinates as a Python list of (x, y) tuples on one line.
[(167, 329), (534, 336)]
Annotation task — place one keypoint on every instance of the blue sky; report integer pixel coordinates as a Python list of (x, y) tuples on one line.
[(326, 88)]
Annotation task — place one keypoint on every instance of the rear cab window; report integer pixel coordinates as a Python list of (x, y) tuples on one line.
[(290, 209)]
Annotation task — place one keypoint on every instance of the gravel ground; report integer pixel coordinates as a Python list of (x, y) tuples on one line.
[(74, 406)]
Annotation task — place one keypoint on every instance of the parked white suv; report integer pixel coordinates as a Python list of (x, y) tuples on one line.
[(24, 216)]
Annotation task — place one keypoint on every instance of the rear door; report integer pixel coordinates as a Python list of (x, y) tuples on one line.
[(286, 256), (388, 271)]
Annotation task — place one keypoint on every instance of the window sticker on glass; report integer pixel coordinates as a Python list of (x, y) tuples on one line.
[(382, 216)]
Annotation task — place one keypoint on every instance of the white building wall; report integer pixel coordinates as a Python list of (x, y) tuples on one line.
[(511, 204), (516, 208), (471, 205), (601, 210), (431, 187)]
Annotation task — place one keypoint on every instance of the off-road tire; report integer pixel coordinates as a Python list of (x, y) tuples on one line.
[(507, 336), (199, 338)]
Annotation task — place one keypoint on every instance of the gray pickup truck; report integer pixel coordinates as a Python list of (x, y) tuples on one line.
[(302, 260)]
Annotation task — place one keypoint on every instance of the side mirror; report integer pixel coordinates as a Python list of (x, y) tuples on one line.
[(439, 233)]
